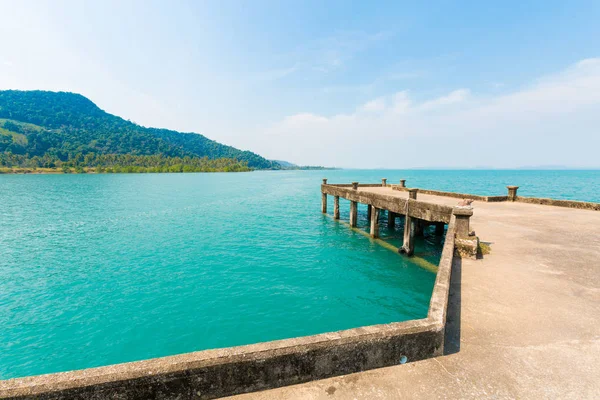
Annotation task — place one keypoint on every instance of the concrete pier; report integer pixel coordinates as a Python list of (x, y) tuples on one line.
[(416, 213), (522, 321), (324, 203)]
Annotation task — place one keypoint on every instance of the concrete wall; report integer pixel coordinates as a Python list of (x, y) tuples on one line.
[(582, 205), (455, 195)]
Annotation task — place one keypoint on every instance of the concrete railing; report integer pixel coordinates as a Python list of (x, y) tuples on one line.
[(512, 196), (415, 208)]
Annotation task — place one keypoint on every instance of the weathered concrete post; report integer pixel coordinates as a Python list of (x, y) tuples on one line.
[(512, 193), (353, 213), (375, 222), (402, 182), (391, 219), (462, 215), (336, 207), (355, 185), (439, 228), (369, 212), (383, 182), (324, 199), (412, 193), (408, 244)]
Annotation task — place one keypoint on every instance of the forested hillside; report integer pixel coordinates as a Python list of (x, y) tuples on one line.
[(48, 129)]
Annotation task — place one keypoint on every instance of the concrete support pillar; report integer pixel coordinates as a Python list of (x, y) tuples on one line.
[(369, 212), (412, 193), (353, 213), (375, 223), (336, 207), (383, 182), (462, 215), (391, 219), (408, 245), (323, 203), (419, 226), (512, 193), (355, 185), (439, 228), (402, 182)]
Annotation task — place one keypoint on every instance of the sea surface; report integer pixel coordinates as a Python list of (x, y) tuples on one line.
[(102, 269)]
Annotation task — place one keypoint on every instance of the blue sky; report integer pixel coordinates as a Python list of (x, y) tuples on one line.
[(370, 84)]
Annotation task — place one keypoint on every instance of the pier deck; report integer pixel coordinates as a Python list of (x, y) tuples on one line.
[(523, 322)]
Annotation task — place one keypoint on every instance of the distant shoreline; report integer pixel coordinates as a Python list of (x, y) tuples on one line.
[(60, 171)]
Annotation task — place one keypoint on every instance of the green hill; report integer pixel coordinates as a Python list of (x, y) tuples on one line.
[(60, 127)]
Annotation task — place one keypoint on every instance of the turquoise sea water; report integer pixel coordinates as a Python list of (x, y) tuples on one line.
[(101, 269)]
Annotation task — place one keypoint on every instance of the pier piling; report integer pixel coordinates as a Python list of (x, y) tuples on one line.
[(408, 244), (324, 203), (375, 222), (353, 213), (336, 207)]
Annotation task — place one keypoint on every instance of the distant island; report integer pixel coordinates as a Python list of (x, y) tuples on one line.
[(60, 132)]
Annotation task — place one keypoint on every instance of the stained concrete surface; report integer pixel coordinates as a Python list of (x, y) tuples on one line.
[(524, 321)]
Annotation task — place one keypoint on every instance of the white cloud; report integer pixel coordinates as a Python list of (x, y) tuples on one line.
[(374, 105), (454, 97), (554, 120), (333, 52)]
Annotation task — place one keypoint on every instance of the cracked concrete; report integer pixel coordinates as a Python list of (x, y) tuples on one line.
[(524, 323)]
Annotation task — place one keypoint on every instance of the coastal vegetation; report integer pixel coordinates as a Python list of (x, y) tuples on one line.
[(67, 132), (116, 163)]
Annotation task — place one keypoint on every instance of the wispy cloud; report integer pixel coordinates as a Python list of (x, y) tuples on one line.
[(275, 74), (554, 120), (331, 53)]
